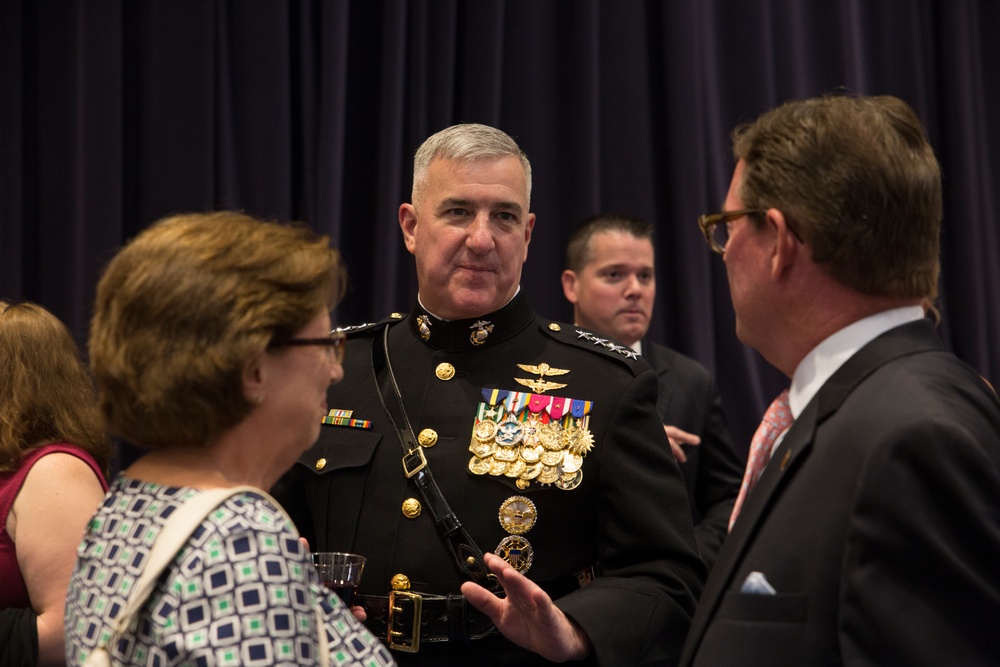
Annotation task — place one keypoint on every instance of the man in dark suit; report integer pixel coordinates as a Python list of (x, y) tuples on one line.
[(610, 278), (544, 443), (872, 536)]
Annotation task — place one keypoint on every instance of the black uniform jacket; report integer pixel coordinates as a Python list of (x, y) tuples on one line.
[(689, 400), (877, 523), (628, 518)]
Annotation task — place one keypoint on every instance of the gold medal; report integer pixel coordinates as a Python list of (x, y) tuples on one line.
[(532, 471), (485, 430), (570, 481), (516, 468), (482, 449), (548, 475), (580, 440), (517, 551), (478, 466), (571, 463), (552, 459), (518, 515), (551, 436), (507, 454), (529, 454), (498, 468)]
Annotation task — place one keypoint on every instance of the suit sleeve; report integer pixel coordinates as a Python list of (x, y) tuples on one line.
[(639, 607), (719, 476), (922, 584)]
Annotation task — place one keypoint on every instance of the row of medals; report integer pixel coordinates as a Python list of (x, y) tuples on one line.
[(531, 450)]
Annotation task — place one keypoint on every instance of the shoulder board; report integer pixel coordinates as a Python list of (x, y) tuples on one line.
[(570, 334), (356, 329)]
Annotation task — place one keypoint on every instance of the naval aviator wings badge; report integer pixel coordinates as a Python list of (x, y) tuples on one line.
[(541, 385)]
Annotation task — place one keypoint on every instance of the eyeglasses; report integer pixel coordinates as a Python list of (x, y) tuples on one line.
[(716, 233), (335, 344)]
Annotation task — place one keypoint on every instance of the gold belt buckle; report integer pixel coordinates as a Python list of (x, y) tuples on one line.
[(397, 638)]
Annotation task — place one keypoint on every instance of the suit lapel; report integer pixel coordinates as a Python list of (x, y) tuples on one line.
[(792, 452)]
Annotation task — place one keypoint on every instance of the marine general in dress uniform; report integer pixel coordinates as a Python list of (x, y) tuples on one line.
[(543, 440)]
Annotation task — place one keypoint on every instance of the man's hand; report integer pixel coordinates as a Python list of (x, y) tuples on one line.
[(677, 438), (527, 615)]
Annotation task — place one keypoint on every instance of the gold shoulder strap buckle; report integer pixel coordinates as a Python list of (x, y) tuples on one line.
[(398, 639)]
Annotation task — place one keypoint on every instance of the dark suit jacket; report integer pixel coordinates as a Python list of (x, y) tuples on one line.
[(628, 517), (877, 522), (689, 400)]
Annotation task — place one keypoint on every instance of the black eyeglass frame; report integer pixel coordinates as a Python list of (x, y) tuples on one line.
[(336, 341), (708, 222)]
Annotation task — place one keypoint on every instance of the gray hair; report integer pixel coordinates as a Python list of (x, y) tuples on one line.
[(466, 141)]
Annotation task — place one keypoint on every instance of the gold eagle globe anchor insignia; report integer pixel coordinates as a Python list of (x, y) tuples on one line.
[(541, 385)]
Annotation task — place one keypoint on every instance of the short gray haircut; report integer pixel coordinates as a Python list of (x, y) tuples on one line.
[(466, 141)]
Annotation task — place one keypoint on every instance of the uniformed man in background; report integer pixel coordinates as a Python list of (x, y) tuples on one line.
[(544, 442)]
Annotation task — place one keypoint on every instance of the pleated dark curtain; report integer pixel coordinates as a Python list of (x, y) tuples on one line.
[(116, 112)]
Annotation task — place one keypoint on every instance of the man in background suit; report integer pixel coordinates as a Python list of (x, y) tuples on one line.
[(873, 535), (610, 279)]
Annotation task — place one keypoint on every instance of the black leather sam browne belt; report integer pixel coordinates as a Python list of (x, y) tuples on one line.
[(410, 617)]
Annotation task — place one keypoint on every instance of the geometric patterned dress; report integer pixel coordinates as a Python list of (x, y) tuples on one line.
[(242, 591)]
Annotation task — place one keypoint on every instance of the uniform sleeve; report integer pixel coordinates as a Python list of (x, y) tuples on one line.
[(639, 607), (921, 583)]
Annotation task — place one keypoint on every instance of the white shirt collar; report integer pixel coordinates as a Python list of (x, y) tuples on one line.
[(436, 317), (824, 360)]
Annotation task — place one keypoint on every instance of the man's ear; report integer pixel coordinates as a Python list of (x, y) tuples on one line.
[(569, 285), (408, 223), (786, 244)]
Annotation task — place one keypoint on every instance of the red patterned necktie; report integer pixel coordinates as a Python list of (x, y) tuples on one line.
[(776, 421)]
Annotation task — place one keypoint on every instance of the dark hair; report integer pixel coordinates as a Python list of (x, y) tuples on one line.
[(860, 183), (186, 305), (578, 250), (46, 394)]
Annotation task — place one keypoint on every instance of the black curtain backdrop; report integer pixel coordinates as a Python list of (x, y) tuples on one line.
[(115, 113)]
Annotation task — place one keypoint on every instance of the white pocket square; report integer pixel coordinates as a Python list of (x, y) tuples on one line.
[(756, 584)]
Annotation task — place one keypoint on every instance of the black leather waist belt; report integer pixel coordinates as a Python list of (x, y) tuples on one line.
[(404, 619)]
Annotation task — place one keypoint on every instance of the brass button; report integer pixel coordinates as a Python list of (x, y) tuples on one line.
[(554, 327), (396, 316), (411, 508), (400, 582), (427, 438), (445, 371), (320, 464)]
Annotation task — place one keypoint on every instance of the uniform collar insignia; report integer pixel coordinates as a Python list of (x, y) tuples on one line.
[(475, 332)]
